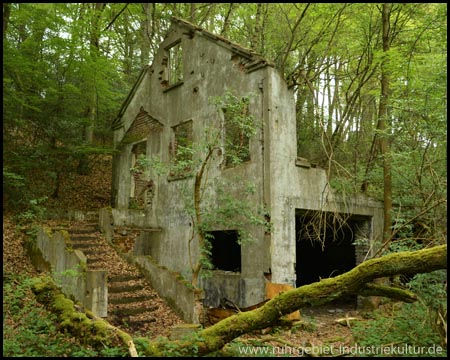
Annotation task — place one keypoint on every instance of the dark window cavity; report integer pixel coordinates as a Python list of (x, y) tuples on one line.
[(225, 250)]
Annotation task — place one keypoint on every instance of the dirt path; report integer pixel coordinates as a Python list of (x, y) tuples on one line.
[(317, 332)]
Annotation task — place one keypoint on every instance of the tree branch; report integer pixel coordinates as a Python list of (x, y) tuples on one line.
[(395, 231), (388, 291), (115, 17), (351, 283)]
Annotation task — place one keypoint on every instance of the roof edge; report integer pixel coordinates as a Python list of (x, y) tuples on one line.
[(117, 122), (233, 46)]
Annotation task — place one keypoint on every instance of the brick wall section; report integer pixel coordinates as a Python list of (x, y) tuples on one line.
[(143, 124)]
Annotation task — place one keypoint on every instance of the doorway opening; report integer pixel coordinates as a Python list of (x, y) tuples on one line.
[(325, 245)]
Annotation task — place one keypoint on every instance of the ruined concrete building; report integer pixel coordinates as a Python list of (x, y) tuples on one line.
[(170, 103)]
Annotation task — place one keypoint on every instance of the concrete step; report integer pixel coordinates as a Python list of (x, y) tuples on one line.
[(113, 289), (122, 312), (130, 299), (83, 230), (139, 324), (91, 261), (96, 266), (92, 238), (87, 244), (131, 325), (132, 303), (92, 252), (124, 277)]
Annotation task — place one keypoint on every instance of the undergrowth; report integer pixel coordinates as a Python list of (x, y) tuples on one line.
[(29, 330), (403, 329)]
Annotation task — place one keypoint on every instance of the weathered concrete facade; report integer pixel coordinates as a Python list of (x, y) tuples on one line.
[(53, 252), (158, 104)]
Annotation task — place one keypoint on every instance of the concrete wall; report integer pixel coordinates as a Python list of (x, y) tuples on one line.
[(169, 284), (174, 289), (291, 185), (241, 290), (211, 68), (203, 66), (69, 270)]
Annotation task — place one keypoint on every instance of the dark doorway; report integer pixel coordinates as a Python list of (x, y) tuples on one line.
[(324, 246), (225, 250)]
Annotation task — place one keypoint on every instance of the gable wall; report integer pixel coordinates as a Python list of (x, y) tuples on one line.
[(209, 70)]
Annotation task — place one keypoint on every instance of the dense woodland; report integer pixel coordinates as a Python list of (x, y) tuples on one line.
[(370, 85)]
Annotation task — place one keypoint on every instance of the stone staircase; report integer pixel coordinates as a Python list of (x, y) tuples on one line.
[(133, 305)]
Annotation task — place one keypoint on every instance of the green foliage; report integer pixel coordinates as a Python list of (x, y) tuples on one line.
[(417, 324), (34, 211), (307, 324), (31, 331), (227, 209), (413, 324), (12, 180), (49, 77), (235, 212), (57, 82), (61, 277), (239, 126)]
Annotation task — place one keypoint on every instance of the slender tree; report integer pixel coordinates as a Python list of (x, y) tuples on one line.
[(383, 115)]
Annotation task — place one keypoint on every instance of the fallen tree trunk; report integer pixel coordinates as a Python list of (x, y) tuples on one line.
[(356, 281), (82, 323), (98, 332)]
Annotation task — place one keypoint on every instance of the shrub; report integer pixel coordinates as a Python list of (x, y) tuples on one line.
[(415, 325), (31, 331)]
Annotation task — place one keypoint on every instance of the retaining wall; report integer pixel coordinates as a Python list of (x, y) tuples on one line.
[(53, 252), (174, 289), (170, 285)]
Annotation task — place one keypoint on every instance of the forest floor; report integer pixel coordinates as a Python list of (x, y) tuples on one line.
[(316, 334), (317, 331)]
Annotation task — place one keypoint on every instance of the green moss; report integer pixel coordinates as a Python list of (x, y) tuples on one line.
[(82, 267), (95, 333), (40, 285), (62, 304), (35, 255), (48, 231), (67, 240)]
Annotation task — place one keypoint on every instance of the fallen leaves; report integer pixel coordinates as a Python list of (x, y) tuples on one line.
[(15, 258)]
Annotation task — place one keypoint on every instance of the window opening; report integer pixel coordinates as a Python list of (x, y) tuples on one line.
[(182, 148), (237, 139), (225, 250), (175, 63), (139, 182)]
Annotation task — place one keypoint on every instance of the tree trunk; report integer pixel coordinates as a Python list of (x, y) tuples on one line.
[(145, 36), (257, 29), (226, 22), (94, 53), (356, 281), (382, 126), (192, 10), (88, 136), (198, 215), (6, 15)]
